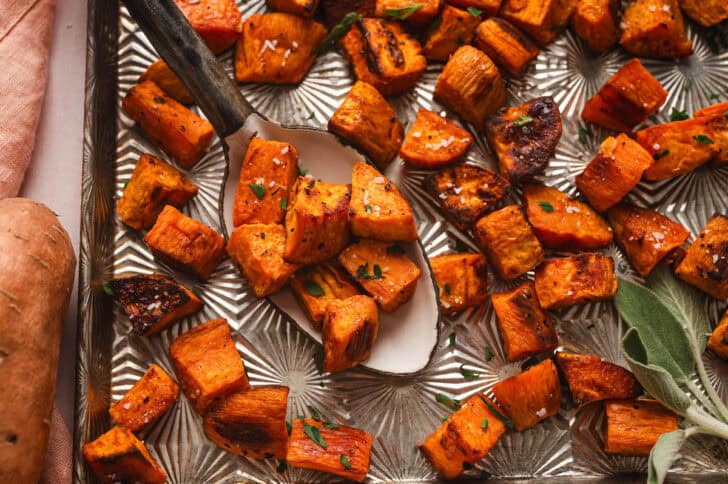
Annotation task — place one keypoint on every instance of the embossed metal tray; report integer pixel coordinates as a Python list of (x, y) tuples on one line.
[(399, 411)]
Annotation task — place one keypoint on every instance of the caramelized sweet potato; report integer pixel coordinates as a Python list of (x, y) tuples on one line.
[(705, 12), (590, 378), (525, 137), (646, 236), (343, 445), (466, 192), (350, 328), (489, 7), (595, 22), (334, 10), (422, 13), (541, 19), (525, 328), (462, 280), (531, 396), (654, 28), (207, 365), (718, 341), (367, 120), (633, 426), (455, 28), (160, 73), (385, 273), (509, 242), (561, 222), (575, 280), (471, 85), (185, 243), (318, 285), (146, 401), (217, 21), (705, 264), (433, 141), (303, 8), (250, 422), (627, 98), (718, 109), (510, 48), (276, 48), (182, 134), (614, 172)]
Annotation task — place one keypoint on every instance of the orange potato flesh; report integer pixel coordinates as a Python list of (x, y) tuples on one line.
[(541, 19), (350, 329), (718, 341), (705, 12), (160, 73), (595, 21), (217, 21), (455, 28), (590, 378), (303, 8), (146, 401), (713, 110), (315, 287), (705, 264), (433, 141), (509, 48), (633, 426), (575, 280), (462, 280), (654, 28)]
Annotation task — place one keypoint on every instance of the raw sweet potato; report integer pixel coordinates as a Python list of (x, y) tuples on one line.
[(590, 378), (454, 28), (541, 19), (118, 456), (633, 426), (654, 28), (146, 401), (705, 12), (718, 341), (350, 328), (574, 280), (303, 8), (509, 48), (421, 13), (705, 264), (318, 285), (595, 22), (217, 21), (433, 141), (160, 73), (462, 280), (489, 7)]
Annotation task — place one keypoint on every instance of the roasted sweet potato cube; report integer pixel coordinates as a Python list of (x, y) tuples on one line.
[(718, 109), (343, 445), (350, 328), (334, 10), (160, 73), (378, 210), (614, 172), (418, 14), (185, 243), (531, 396), (590, 378), (462, 280), (182, 134), (383, 270), (525, 137), (269, 170), (561, 222), (207, 365), (471, 85), (318, 285), (304, 8), (276, 48), (718, 341), (367, 120), (705, 264), (257, 249), (654, 28), (633, 426), (575, 280), (646, 236), (509, 242), (489, 7), (525, 328), (217, 21), (465, 437), (433, 141), (118, 456), (146, 401), (541, 19), (627, 98), (153, 185), (705, 12), (466, 192), (595, 22), (250, 422), (455, 28), (384, 55), (316, 221), (509, 48)]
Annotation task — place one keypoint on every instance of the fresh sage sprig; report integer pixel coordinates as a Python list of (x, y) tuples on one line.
[(667, 333), (336, 33)]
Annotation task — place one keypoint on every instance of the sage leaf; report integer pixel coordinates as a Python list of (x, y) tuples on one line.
[(334, 35), (663, 454)]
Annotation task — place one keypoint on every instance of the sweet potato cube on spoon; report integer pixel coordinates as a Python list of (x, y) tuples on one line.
[(350, 328), (316, 286)]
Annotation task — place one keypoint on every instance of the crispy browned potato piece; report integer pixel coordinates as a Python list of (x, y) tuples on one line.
[(367, 120), (433, 141), (466, 192), (455, 28), (465, 437), (350, 328), (318, 285), (118, 456), (207, 365), (185, 243), (153, 185), (276, 48), (561, 222), (541, 19), (462, 280), (654, 28), (525, 328), (334, 10), (257, 249), (525, 137), (705, 12), (146, 401), (353, 444), (705, 264), (575, 280), (316, 221), (269, 170), (182, 134), (510, 48), (712, 110), (489, 7), (378, 210), (304, 8), (506, 237), (633, 426), (383, 270), (422, 12), (614, 172), (471, 85), (531, 396), (217, 21), (718, 341), (595, 22), (153, 302), (250, 422), (590, 378), (646, 236), (160, 73)]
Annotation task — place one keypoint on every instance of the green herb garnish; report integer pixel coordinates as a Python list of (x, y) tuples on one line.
[(475, 12), (507, 422), (688, 84), (288, 427), (395, 250), (106, 287), (159, 100), (487, 354), (403, 13), (314, 434), (584, 133), (318, 360), (314, 413), (546, 206), (522, 120), (281, 466), (452, 338), (259, 190), (362, 272), (447, 289), (345, 462), (460, 246), (468, 374), (368, 208), (331, 425), (677, 115), (313, 288), (661, 154), (302, 171), (484, 424), (336, 33), (284, 204), (703, 140), (447, 401), (715, 95)]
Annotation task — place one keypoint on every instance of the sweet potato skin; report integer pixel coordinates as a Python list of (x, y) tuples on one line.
[(654, 28), (706, 13), (541, 19), (705, 264), (217, 21), (456, 27), (595, 22), (433, 141), (462, 280), (509, 48), (590, 378), (633, 426), (146, 401), (334, 283), (575, 280), (718, 341), (350, 329), (302, 8), (160, 73)]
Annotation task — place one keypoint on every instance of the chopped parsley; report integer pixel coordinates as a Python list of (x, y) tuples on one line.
[(447, 289), (584, 133), (703, 140), (453, 337), (362, 272), (507, 422), (311, 116), (468, 374), (313, 288), (403, 13), (522, 120), (475, 12), (368, 208), (484, 424), (315, 414), (661, 154), (314, 434), (715, 95), (546, 206), (302, 171), (345, 462), (331, 425), (688, 84), (487, 354), (336, 33), (288, 427), (259, 190), (281, 466), (107, 289), (447, 401), (677, 115), (159, 100), (395, 249), (284, 204)]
